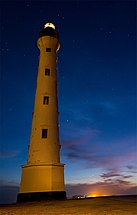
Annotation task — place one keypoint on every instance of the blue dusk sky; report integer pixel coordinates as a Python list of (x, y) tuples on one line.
[(96, 92)]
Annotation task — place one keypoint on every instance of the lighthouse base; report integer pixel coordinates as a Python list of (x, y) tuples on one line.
[(41, 196), (41, 182)]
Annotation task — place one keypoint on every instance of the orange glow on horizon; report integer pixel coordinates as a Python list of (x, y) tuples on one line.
[(96, 195)]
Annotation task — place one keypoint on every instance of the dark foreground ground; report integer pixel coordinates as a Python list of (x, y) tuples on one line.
[(125, 205)]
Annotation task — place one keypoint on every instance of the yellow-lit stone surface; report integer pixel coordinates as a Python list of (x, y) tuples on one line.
[(43, 171), (42, 178), (45, 116)]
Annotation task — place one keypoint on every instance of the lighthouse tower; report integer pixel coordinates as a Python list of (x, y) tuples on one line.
[(43, 175)]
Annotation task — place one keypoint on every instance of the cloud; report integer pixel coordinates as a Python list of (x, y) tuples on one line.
[(110, 175), (118, 187), (94, 153), (8, 153), (102, 114), (8, 191), (95, 159), (114, 174), (83, 112), (103, 108), (132, 168), (79, 137), (127, 176), (8, 194), (131, 191), (9, 183)]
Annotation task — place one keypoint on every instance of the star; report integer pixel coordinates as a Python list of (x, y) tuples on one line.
[(27, 4)]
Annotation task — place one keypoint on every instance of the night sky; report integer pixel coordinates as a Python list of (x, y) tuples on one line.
[(96, 91)]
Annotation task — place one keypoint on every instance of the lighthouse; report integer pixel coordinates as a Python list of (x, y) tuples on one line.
[(43, 175)]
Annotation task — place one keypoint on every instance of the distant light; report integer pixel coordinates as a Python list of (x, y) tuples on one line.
[(93, 195), (49, 24), (96, 195)]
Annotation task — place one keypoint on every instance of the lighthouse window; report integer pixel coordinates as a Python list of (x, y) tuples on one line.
[(44, 133), (47, 71), (48, 49), (46, 100)]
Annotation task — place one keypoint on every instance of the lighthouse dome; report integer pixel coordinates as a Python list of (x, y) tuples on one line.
[(49, 29), (49, 24)]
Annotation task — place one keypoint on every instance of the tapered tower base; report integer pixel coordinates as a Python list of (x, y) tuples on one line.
[(41, 182), (41, 196)]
